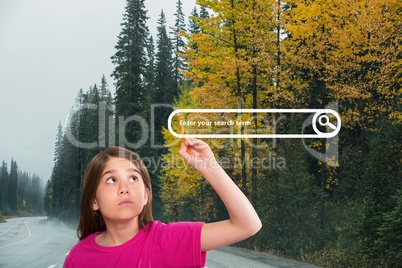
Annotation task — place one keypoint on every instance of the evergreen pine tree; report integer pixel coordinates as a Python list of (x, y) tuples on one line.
[(47, 199), (150, 69), (382, 174), (36, 194), (390, 240), (52, 189), (58, 144), (130, 60), (165, 91), (204, 14), (65, 173), (178, 44), (104, 91), (193, 27), (106, 112), (4, 207), (23, 188), (13, 186)]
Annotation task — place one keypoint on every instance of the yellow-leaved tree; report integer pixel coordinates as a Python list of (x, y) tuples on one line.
[(350, 52), (231, 64)]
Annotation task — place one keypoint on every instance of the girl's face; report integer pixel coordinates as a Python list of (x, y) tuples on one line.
[(121, 194)]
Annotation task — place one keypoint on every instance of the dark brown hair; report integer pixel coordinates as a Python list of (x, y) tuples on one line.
[(91, 221)]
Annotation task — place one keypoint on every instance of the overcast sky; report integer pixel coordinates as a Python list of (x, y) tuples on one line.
[(48, 51)]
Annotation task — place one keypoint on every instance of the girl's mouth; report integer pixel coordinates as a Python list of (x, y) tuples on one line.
[(125, 202)]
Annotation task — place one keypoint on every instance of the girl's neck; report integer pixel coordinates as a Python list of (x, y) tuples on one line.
[(117, 233)]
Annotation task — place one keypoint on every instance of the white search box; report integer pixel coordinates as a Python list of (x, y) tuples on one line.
[(327, 118)]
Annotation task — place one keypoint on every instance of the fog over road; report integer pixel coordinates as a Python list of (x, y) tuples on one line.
[(35, 242)]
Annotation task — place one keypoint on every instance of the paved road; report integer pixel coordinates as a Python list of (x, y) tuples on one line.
[(34, 242), (231, 257)]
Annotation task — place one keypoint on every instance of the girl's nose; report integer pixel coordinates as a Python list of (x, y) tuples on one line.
[(123, 189)]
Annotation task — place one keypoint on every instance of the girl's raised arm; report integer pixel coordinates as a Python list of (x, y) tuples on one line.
[(244, 221)]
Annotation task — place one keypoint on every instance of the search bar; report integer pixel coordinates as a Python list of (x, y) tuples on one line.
[(240, 123)]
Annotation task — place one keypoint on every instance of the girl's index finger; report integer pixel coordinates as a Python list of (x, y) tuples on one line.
[(181, 130)]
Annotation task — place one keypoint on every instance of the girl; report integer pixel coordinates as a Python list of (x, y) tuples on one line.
[(116, 228)]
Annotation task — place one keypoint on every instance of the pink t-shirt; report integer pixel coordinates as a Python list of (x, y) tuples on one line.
[(156, 245)]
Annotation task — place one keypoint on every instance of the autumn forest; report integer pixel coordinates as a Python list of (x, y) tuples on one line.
[(343, 211)]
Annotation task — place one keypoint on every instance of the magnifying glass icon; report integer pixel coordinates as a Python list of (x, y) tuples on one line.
[(322, 117), (324, 121)]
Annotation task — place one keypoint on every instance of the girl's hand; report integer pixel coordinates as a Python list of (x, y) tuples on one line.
[(243, 221), (198, 154)]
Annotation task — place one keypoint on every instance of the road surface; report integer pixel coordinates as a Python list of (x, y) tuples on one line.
[(35, 242), (231, 257)]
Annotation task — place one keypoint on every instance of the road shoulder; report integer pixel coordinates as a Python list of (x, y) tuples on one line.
[(266, 258)]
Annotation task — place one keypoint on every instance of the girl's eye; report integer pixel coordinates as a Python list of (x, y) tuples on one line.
[(111, 180), (133, 179)]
